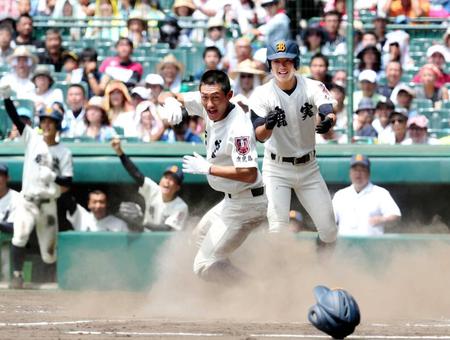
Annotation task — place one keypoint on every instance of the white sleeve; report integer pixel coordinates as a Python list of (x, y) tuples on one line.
[(66, 166), (388, 206), (193, 104), (15, 197), (79, 219), (178, 217), (257, 103), (29, 135), (319, 93), (243, 148), (148, 191), (335, 203)]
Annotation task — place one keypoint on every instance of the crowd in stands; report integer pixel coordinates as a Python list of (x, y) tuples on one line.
[(110, 63)]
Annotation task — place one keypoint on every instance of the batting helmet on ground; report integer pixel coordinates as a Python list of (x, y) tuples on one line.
[(283, 49), (336, 312)]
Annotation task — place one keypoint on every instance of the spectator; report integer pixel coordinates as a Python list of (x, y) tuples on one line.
[(155, 83), (184, 9), (44, 94), (97, 219), (242, 51), (246, 78), (216, 35), (429, 75), (87, 7), (96, 123), (70, 62), (24, 32), (164, 210), (404, 8), (363, 209), (26, 116), (331, 137), (74, 116), (340, 78), (379, 27), (170, 33), (138, 95), (369, 38), (368, 84), (247, 13), (211, 58), (121, 66), (339, 107), (9, 9), (105, 9), (418, 131), (181, 132), (446, 40), (438, 56), (383, 110), (53, 53), (313, 40), (87, 72), (151, 12), (319, 69), (71, 10), (5, 44), (150, 128), (403, 97), (397, 119), (362, 125), (118, 106), (8, 201), (333, 40), (369, 59), (172, 72), (137, 29), (396, 48), (22, 62), (394, 73), (277, 22), (46, 8)]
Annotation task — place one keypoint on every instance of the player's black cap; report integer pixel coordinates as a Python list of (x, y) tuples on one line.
[(359, 159), (176, 173), (4, 169)]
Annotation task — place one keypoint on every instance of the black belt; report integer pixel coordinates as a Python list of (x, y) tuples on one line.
[(37, 200), (295, 160), (255, 192)]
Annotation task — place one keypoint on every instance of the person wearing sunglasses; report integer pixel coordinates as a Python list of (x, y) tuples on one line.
[(397, 119)]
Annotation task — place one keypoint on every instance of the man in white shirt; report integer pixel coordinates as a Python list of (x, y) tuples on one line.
[(98, 218), (8, 201), (74, 116), (363, 209)]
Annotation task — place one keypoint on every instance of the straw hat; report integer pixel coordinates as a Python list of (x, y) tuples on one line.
[(43, 70), (23, 51), (187, 3), (170, 59), (96, 101), (137, 15), (112, 86), (246, 66)]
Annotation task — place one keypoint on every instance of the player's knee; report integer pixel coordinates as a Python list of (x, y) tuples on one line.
[(19, 240), (329, 235), (47, 258)]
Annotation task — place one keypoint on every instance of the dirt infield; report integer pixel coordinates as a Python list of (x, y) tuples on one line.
[(32, 314)]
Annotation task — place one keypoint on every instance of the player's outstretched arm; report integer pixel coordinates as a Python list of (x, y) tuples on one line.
[(131, 168), (12, 113)]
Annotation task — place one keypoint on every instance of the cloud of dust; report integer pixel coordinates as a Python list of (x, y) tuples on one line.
[(388, 282)]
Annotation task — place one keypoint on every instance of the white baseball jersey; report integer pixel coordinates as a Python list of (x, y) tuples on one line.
[(353, 210), (40, 160), (173, 213), (83, 220), (229, 142), (8, 206), (297, 138)]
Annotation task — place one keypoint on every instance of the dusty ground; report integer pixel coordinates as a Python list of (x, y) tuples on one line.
[(402, 295)]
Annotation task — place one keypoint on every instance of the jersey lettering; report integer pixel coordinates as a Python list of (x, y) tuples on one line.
[(306, 110), (216, 148)]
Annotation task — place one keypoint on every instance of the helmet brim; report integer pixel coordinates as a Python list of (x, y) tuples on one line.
[(281, 55)]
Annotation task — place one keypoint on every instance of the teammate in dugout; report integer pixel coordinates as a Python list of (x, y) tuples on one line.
[(231, 167), (284, 115), (164, 210), (47, 172)]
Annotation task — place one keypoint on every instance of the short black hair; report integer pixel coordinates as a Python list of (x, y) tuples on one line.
[(338, 88), (79, 86), (333, 12), (24, 15), (89, 54), (7, 28), (212, 48), (320, 56), (128, 40), (53, 31), (213, 77)]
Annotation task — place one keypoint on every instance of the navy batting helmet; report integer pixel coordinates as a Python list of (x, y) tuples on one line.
[(52, 114), (283, 49), (336, 312)]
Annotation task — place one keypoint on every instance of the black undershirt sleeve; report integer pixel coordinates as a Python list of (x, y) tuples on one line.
[(63, 181), (132, 170), (12, 113), (158, 227)]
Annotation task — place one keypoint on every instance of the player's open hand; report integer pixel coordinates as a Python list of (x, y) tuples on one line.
[(196, 165), (324, 126), (5, 92), (172, 111)]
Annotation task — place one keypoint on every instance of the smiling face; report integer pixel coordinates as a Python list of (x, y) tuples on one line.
[(215, 101), (48, 127), (97, 205), (169, 73), (169, 187), (283, 70)]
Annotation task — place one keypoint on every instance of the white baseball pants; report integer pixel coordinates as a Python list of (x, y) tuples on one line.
[(44, 217), (307, 182)]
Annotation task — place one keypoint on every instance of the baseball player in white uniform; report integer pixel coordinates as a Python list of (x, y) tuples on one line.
[(97, 219), (47, 170), (284, 114), (164, 209), (231, 167), (8, 201)]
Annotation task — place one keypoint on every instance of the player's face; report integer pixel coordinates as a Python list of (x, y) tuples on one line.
[(283, 69), (97, 205), (169, 186), (48, 126), (359, 175), (215, 101), (3, 182)]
